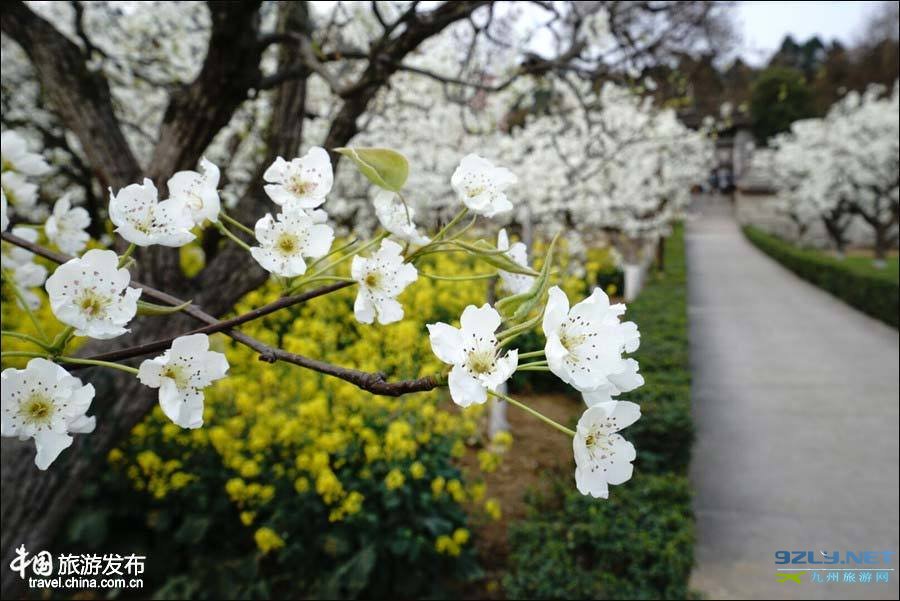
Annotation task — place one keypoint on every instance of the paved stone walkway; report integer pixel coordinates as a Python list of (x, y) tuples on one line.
[(796, 409)]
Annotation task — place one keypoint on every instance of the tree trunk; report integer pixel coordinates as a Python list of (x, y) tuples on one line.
[(881, 246), (633, 280), (661, 254)]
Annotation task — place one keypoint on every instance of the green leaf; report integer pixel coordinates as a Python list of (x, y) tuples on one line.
[(193, 529), (383, 167), (349, 579), (540, 286), (497, 258), (90, 528), (145, 308)]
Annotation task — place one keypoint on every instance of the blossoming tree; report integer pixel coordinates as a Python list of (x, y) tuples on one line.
[(126, 125), (844, 165)]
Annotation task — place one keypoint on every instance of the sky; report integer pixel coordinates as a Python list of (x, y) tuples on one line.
[(764, 24)]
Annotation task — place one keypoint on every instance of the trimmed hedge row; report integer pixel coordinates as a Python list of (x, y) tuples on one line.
[(877, 295), (639, 543)]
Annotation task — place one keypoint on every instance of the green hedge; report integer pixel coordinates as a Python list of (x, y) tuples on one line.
[(639, 543), (876, 294)]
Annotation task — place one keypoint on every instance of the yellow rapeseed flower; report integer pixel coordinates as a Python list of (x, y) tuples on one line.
[(394, 479), (267, 540)]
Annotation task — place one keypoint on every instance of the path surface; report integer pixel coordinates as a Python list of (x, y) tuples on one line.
[(796, 409)]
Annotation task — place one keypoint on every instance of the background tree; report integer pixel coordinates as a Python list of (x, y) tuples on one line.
[(779, 97)]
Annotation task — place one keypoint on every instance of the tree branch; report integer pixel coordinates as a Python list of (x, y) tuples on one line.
[(225, 324), (79, 96), (386, 56), (197, 111), (376, 383)]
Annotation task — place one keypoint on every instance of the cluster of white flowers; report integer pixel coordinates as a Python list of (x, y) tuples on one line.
[(66, 226), (47, 404), (299, 231), (475, 354), (841, 165), (584, 346), (142, 219), (20, 164), (181, 374), (21, 270), (397, 217), (93, 296), (584, 349), (626, 166), (381, 278), (285, 241)]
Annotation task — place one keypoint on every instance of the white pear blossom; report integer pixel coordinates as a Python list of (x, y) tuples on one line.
[(473, 351), (21, 193), (47, 404), (381, 278), (302, 183), (142, 219), (4, 213), (92, 295), (603, 457), (285, 242), (66, 226), (585, 344), (199, 191), (515, 283), (480, 185), (16, 156), (181, 374), (625, 381), (18, 264), (397, 217)]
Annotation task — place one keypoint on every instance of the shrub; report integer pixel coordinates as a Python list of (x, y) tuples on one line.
[(639, 543), (876, 294), (636, 545)]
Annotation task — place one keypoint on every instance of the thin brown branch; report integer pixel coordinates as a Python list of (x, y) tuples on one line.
[(225, 324), (461, 82), (375, 383)]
